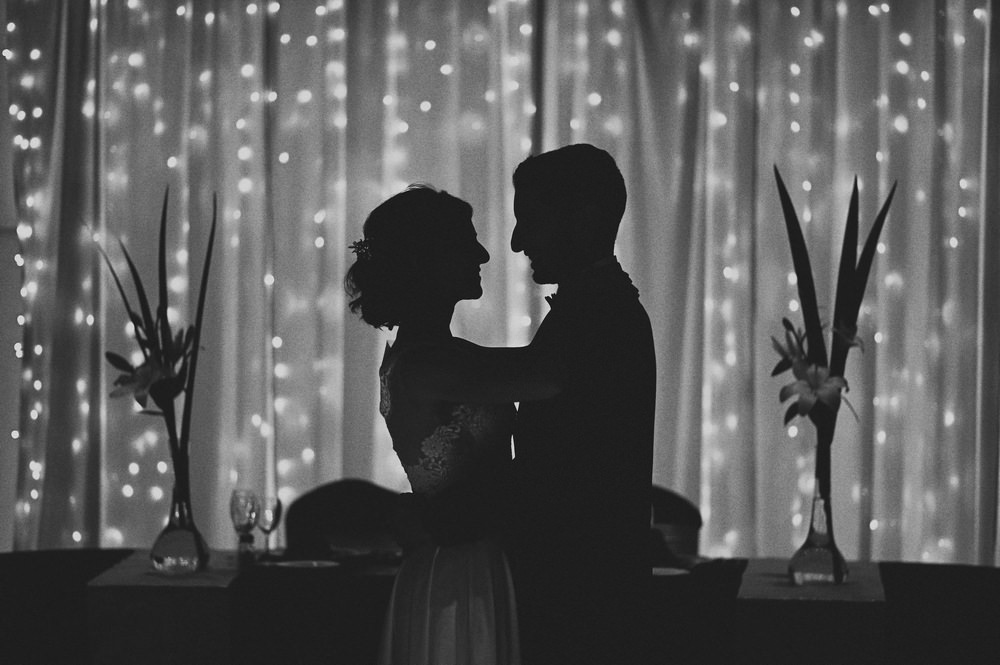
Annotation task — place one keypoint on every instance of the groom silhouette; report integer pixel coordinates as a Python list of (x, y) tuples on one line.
[(583, 465)]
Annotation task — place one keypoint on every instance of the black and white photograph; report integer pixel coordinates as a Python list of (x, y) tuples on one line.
[(499, 332)]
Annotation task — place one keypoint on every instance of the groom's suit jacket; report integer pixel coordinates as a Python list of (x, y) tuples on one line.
[(583, 471)]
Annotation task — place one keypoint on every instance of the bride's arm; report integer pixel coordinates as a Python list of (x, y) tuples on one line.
[(482, 374)]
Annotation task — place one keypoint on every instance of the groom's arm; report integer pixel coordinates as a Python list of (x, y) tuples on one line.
[(483, 374)]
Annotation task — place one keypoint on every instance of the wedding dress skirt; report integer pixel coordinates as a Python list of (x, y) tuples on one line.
[(452, 606)]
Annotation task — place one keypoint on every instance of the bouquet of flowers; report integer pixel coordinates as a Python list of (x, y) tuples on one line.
[(169, 360), (818, 381)]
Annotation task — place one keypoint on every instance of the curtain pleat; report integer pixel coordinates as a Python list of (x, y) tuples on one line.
[(988, 368)]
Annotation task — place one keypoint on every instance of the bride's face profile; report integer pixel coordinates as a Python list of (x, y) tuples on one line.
[(454, 264)]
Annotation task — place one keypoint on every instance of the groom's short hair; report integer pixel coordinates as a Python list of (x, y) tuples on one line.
[(573, 175)]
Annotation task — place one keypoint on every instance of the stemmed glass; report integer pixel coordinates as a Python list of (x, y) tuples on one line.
[(244, 510), (268, 520)]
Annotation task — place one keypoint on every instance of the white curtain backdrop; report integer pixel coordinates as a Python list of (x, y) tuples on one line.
[(302, 116)]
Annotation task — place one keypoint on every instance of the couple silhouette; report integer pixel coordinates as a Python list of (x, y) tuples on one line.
[(539, 559)]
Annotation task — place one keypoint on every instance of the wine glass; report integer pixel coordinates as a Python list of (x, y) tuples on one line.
[(268, 520), (244, 510)]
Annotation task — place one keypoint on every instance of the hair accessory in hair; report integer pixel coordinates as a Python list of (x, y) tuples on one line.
[(362, 248)]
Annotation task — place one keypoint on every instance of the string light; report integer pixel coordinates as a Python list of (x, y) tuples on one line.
[(421, 66)]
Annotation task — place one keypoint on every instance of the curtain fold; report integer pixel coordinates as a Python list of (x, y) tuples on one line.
[(988, 367), (301, 117), (55, 210)]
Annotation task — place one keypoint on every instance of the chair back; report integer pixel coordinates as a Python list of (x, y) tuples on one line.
[(347, 513), (677, 521)]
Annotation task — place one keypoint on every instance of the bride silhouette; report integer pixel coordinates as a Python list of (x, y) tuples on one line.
[(448, 405)]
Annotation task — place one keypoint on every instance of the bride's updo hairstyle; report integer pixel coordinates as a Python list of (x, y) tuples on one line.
[(388, 276)]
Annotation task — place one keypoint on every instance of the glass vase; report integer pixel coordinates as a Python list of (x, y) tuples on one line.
[(180, 548), (818, 560)]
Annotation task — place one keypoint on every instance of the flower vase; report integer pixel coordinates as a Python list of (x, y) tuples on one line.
[(180, 548), (818, 560)]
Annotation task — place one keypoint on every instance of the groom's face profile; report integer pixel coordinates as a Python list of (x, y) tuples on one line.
[(539, 234)]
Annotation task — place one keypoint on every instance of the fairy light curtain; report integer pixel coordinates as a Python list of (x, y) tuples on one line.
[(699, 100), (303, 116)]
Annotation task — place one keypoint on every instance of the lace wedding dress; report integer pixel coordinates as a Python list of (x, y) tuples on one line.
[(453, 604)]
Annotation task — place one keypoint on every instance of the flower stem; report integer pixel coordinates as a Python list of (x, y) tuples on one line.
[(170, 418), (824, 443), (826, 422)]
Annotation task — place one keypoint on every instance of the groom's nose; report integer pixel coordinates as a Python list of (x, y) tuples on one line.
[(516, 239)]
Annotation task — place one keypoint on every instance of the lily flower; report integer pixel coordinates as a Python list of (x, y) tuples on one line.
[(137, 383), (793, 351), (812, 384)]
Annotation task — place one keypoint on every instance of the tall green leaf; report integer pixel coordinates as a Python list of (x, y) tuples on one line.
[(844, 324), (803, 272), (133, 317), (149, 323), (868, 252), (189, 388), (161, 313)]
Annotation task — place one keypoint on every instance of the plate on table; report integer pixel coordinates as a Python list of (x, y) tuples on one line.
[(339, 553), (356, 553), (393, 555), (307, 563), (661, 571)]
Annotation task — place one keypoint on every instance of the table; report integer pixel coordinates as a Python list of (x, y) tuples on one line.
[(101, 606), (819, 624), (745, 611), (135, 614), (43, 603), (237, 614)]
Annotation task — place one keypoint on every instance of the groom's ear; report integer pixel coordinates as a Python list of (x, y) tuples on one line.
[(587, 219), (593, 232)]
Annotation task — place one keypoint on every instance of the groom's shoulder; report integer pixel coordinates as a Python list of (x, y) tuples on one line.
[(606, 319), (614, 301)]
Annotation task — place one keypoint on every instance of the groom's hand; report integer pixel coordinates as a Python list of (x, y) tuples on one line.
[(406, 523), (455, 516)]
